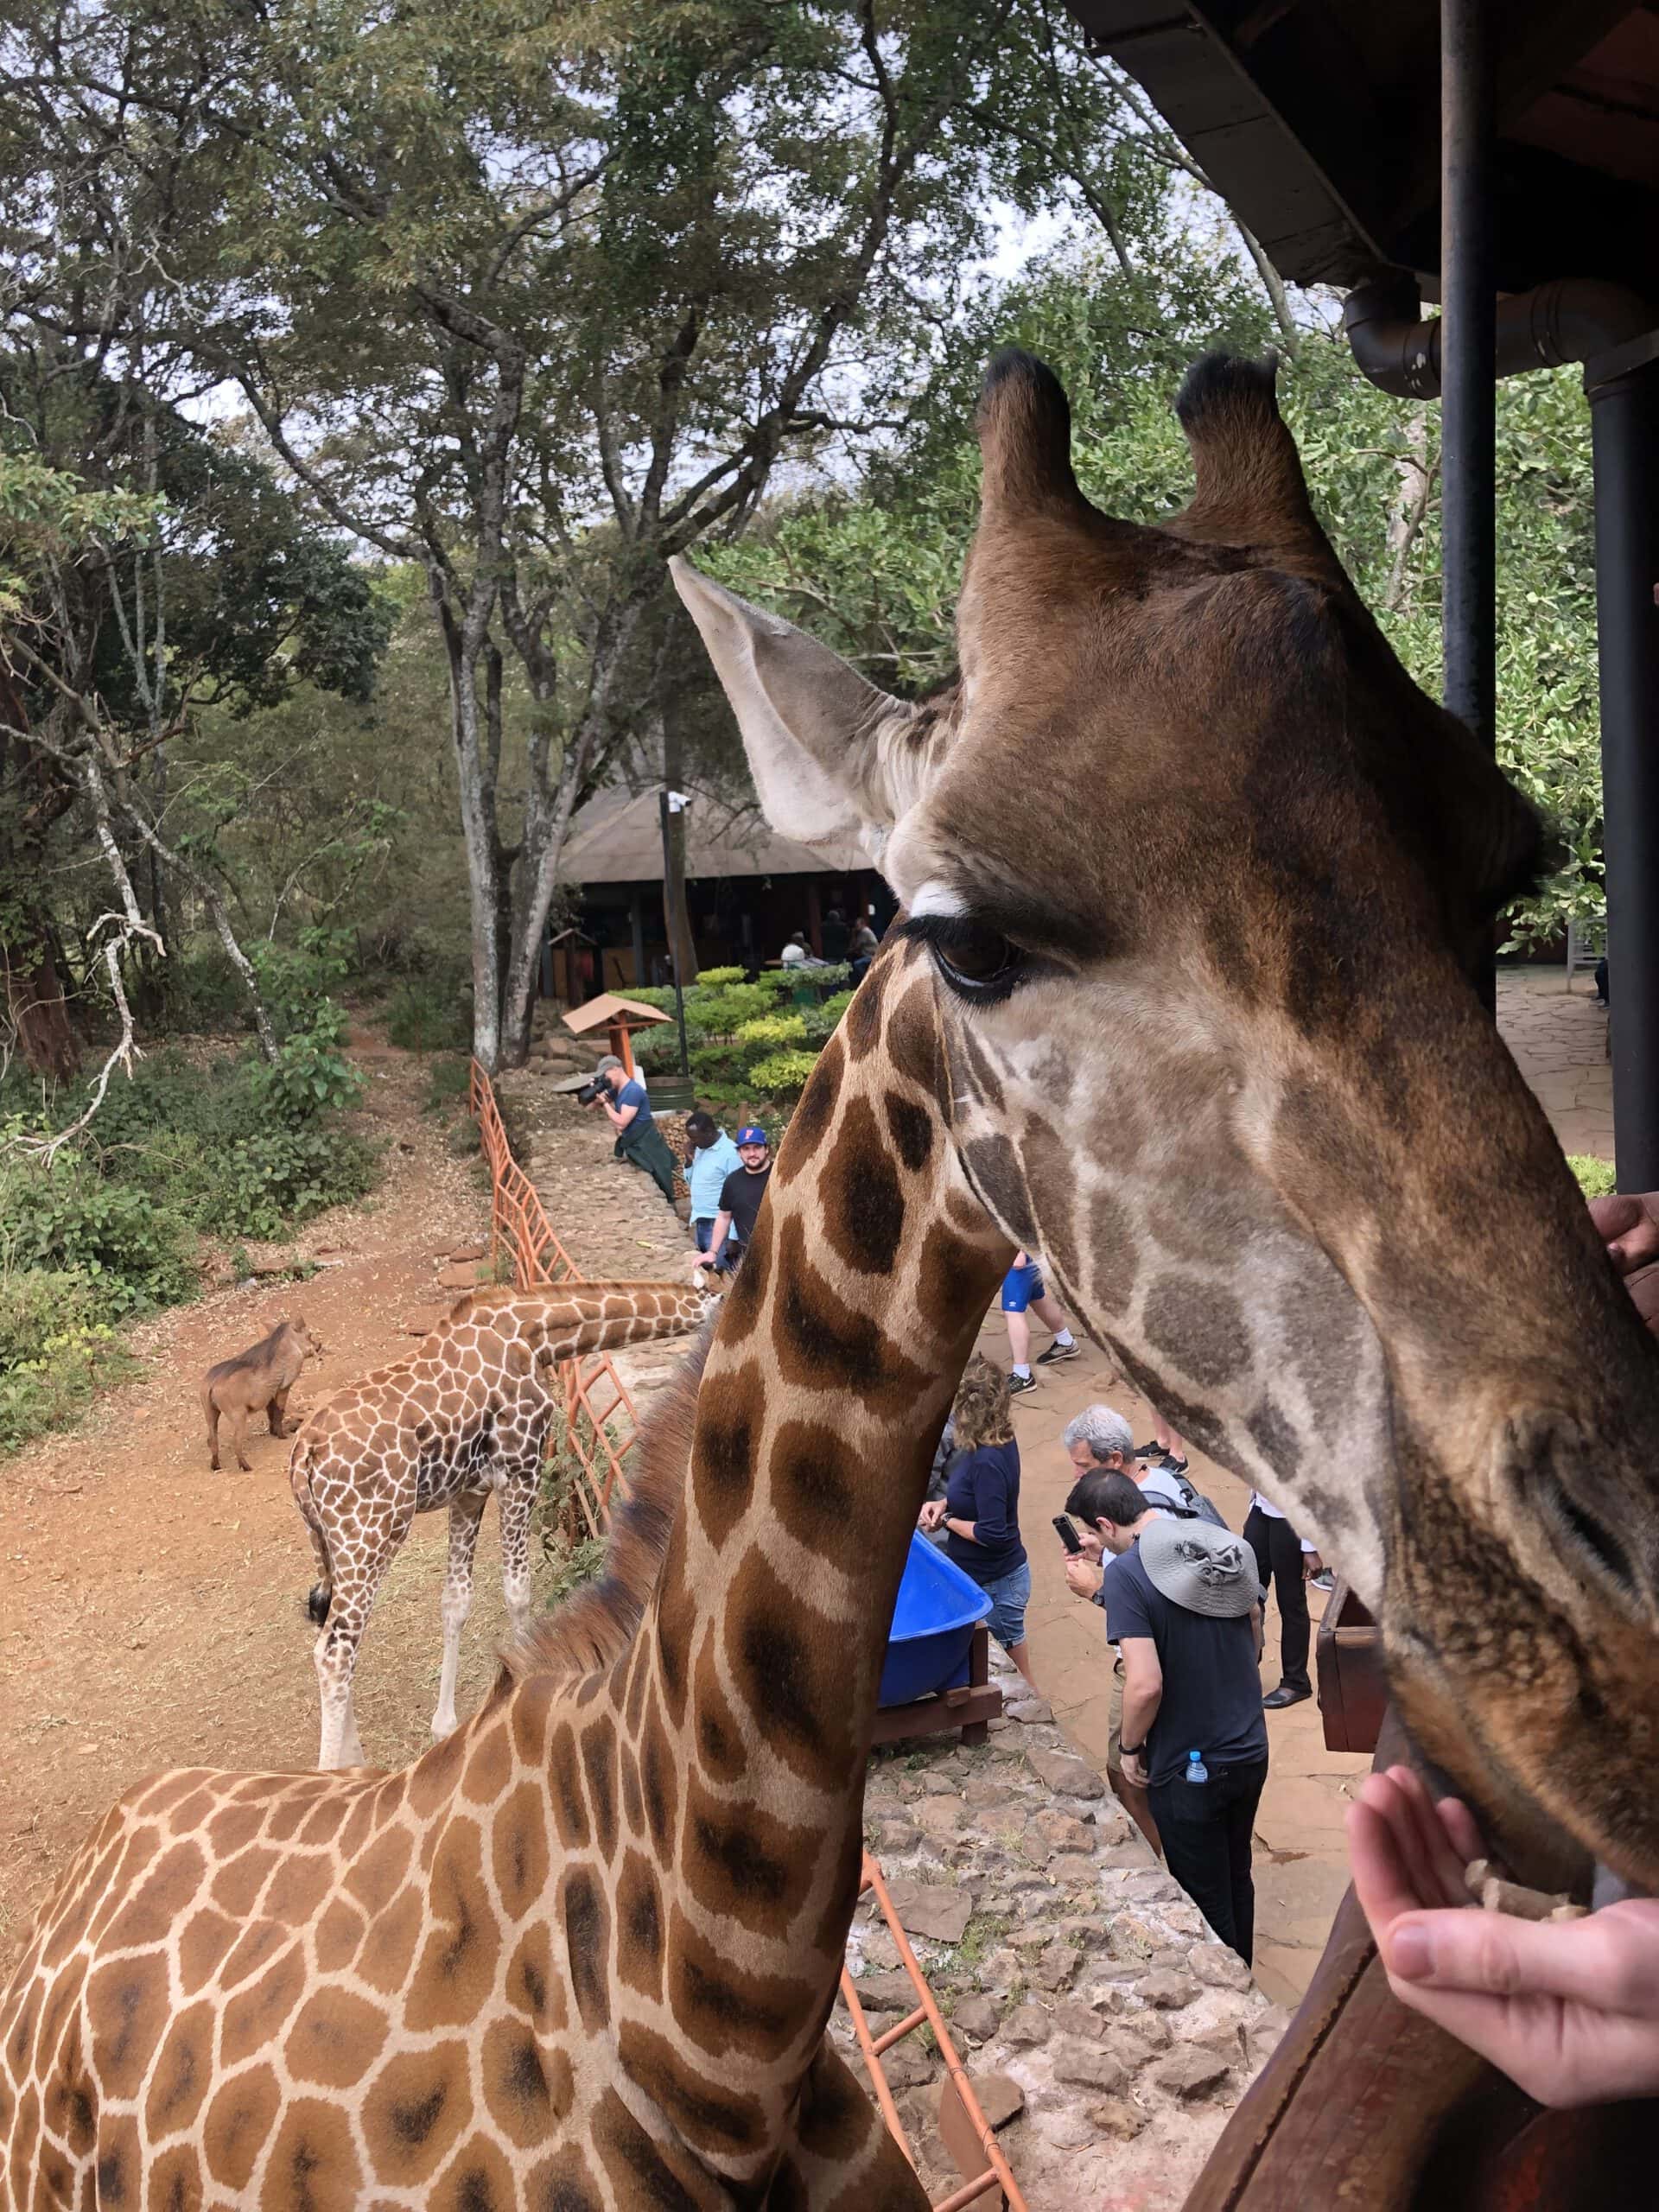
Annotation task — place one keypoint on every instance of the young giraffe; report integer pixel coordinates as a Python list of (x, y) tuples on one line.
[(464, 1417), (582, 1954)]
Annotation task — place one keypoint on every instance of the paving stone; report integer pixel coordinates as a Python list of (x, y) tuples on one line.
[(925, 1909), (1218, 1966), (895, 1838), (1170, 1958), (977, 2017), (1264, 2032), (1088, 2063), (1056, 1967), (1066, 1772), (1190, 2073), (1001, 2097), (1029, 2025), (940, 1818), (1030, 1709), (1116, 2117), (881, 1951), (984, 1791), (1064, 1831), (1071, 2018), (891, 1991), (907, 2065), (1073, 1871), (1168, 1991)]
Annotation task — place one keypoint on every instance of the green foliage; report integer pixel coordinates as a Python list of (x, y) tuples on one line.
[(56, 1353), (424, 1014), (833, 1008), (782, 1072), (773, 1029), (66, 1219), (711, 979), (1597, 1178), (311, 1075)]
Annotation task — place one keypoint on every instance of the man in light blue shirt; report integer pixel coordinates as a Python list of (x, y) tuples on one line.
[(712, 1158)]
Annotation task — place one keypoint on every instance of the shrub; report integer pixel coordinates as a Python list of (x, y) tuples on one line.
[(833, 1008), (1596, 1178), (311, 1074), (428, 1014), (715, 979), (773, 1029), (782, 1071), (723, 1013), (66, 1219)]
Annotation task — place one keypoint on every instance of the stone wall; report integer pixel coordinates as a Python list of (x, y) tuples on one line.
[(1086, 1995)]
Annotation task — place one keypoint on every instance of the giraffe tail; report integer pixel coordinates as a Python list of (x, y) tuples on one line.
[(320, 1595)]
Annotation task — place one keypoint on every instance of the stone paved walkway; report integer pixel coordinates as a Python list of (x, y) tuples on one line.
[(1559, 1039)]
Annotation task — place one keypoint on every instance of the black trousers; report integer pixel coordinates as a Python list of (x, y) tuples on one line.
[(1278, 1551), (1206, 1828)]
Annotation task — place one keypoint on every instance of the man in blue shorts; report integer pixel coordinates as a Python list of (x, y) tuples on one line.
[(1023, 1291)]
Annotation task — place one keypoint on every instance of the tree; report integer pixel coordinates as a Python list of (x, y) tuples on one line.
[(540, 297)]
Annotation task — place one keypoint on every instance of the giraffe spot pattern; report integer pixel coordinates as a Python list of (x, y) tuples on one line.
[(718, 2007), (994, 1165), (1199, 1325), (813, 1114), (710, 2118), (585, 1917), (789, 1663), (731, 1415), (718, 1734), (416, 2111), (741, 1864), (863, 1205), (639, 1926)]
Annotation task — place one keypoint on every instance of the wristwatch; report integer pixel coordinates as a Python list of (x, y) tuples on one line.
[(1132, 1751)]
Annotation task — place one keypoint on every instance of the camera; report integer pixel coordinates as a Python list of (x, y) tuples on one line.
[(590, 1091)]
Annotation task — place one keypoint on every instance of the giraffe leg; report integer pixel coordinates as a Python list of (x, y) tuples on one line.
[(517, 1501), (465, 1514), (336, 1653)]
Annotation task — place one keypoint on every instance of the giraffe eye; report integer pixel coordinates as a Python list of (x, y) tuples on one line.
[(978, 963)]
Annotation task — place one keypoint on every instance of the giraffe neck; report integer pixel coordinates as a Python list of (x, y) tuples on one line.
[(566, 1320), (750, 1691)]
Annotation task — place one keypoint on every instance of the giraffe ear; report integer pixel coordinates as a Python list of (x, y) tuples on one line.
[(812, 727)]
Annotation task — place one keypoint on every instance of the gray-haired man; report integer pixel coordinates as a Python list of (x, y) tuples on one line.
[(1100, 1441)]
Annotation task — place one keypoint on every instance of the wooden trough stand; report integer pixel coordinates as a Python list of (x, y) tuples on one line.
[(970, 1708)]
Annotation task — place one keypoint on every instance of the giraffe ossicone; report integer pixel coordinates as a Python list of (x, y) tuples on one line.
[(582, 1953)]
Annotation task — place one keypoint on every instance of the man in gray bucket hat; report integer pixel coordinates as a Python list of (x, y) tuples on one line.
[(1183, 1606)]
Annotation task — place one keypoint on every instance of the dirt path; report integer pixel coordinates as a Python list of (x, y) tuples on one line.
[(155, 1613)]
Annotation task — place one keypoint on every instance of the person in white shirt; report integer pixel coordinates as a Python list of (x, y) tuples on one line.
[(1290, 1561)]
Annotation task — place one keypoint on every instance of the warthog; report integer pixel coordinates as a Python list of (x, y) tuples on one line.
[(261, 1376)]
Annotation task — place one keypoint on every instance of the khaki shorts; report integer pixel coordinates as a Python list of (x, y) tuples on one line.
[(1115, 1715)]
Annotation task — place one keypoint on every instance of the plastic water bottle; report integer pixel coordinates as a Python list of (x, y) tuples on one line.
[(1196, 1769)]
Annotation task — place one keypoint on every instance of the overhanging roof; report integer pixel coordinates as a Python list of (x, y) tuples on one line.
[(1318, 121), (617, 838)]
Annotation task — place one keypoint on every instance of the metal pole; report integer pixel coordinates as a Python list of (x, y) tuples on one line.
[(1624, 424), (1469, 404), (676, 937)]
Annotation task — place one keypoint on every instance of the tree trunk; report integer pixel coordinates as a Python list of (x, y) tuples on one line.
[(476, 778), (34, 999), (547, 823), (676, 920)]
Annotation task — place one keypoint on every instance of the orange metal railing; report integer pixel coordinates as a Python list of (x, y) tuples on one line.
[(600, 1419), (600, 1424)]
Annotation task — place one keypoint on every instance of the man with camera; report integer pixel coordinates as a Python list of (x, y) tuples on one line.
[(639, 1139)]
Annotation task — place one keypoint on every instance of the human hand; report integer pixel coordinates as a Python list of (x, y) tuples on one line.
[(932, 1514), (1629, 1225), (1083, 1576), (1569, 2009), (1311, 1564), (1094, 1544), (1134, 1771)]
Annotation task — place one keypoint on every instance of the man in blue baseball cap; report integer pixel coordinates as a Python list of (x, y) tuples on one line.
[(740, 1202)]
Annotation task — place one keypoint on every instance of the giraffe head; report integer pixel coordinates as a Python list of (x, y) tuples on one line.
[(1204, 884)]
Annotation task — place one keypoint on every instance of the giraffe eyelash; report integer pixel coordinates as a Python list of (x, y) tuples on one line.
[(978, 963)]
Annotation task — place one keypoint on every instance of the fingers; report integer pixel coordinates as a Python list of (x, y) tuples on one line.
[(1608, 1963), (1460, 1825), (1382, 1882), (1436, 1865)]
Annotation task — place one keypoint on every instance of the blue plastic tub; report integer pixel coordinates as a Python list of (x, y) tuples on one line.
[(933, 1622)]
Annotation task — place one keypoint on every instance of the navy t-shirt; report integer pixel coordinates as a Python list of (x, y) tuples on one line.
[(1212, 1689), (983, 1487), (634, 1094)]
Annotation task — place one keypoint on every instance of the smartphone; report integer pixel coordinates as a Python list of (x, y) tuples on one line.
[(1067, 1534)]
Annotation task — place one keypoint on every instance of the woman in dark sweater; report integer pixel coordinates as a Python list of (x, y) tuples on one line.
[(980, 1511)]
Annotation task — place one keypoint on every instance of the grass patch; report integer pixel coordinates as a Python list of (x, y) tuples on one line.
[(1597, 1178)]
